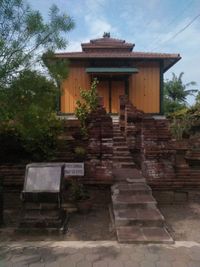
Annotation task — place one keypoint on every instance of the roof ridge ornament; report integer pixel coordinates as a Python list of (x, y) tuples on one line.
[(106, 35)]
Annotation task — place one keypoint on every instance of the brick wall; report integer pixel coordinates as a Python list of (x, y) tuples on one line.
[(167, 164), (100, 147)]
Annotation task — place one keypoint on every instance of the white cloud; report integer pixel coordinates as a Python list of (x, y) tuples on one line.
[(97, 26)]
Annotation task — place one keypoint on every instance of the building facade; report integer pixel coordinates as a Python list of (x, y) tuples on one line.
[(120, 71)]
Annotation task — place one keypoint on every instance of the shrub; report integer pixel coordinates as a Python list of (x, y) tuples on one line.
[(87, 104)]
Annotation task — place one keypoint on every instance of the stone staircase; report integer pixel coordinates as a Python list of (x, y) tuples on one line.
[(137, 218)]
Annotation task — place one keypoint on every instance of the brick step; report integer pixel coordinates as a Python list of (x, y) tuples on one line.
[(62, 153), (124, 165), (121, 148), (11, 166), (11, 172), (13, 179), (120, 144), (35, 217), (122, 158), (41, 207), (126, 201), (122, 153), (116, 135), (133, 189), (136, 234), (39, 224), (61, 159), (150, 217), (12, 175), (119, 138)]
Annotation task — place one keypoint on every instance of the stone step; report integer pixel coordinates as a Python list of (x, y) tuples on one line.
[(133, 189), (122, 201), (144, 217), (132, 174), (136, 234)]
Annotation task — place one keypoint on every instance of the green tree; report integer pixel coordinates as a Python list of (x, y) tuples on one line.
[(24, 36), (197, 99), (28, 120), (176, 93)]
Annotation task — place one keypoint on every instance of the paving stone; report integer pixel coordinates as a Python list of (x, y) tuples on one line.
[(6, 256), (194, 264), (167, 255), (92, 257), (4, 250), (5, 264), (67, 263), (154, 249), (137, 256), (20, 264), (115, 263), (84, 264), (37, 265), (71, 250), (47, 255), (147, 264), (30, 250), (151, 257), (108, 253), (52, 264), (163, 264), (101, 263), (85, 250), (77, 257), (123, 257), (179, 264), (25, 259), (131, 264), (17, 250), (195, 253)]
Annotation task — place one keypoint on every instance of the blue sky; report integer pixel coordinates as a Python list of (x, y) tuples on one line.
[(150, 24)]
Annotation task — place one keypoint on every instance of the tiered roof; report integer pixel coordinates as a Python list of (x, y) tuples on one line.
[(107, 47)]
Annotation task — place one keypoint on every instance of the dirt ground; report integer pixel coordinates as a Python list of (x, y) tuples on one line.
[(183, 220), (95, 225)]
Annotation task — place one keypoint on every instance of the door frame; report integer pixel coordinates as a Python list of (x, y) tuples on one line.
[(124, 78)]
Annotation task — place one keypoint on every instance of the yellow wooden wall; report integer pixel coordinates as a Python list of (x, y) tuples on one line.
[(103, 91), (118, 88), (71, 87), (144, 87)]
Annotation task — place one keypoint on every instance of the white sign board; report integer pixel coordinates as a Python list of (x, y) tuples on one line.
[(74, 169)]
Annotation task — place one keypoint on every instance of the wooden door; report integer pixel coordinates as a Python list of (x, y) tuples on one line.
[(117, 89), (103, 91)]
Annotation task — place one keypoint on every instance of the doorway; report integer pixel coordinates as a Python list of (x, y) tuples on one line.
[(111, 89)]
